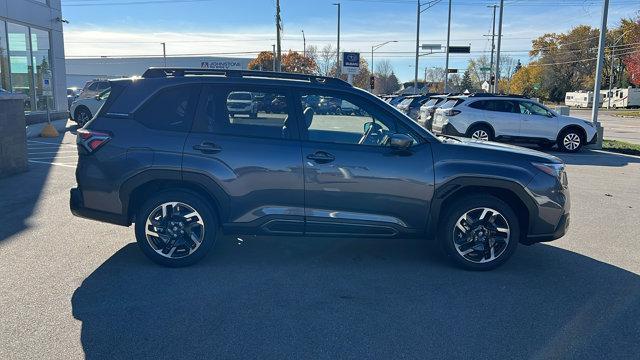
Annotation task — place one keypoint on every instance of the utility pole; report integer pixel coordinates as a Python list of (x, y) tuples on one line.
[(304, 44), (495, 86), (164, 53), (338, 69), (274, 57), (446, 63), (599, 66), (493, 38), (376, 47), (278, 42), (415, 79)]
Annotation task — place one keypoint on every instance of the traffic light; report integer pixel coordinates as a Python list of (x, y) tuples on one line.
[(493, 80), (372, 82)]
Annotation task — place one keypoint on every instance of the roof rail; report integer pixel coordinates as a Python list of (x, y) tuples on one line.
[(498, 95), (159, 72)]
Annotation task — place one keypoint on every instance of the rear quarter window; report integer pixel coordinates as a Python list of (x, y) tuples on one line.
[(170, 109)]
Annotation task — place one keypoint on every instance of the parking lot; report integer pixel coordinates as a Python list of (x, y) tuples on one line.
[(615, 127), (73, 287)]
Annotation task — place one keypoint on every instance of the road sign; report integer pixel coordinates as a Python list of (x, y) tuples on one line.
[(431, 47), (46, 84), (452, 71), (485, 69), (459, 49), (350, 63)]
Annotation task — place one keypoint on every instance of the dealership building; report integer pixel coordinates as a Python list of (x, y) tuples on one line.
[(32, 55), (79, 71)]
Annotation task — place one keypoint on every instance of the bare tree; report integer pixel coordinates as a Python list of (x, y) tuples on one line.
[(326, 59), (384, 68)]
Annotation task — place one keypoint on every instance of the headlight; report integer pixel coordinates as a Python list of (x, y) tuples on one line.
[(553, 169)]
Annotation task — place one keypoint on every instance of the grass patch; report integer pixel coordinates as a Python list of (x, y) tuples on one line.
[(632, 113), (621, 147)]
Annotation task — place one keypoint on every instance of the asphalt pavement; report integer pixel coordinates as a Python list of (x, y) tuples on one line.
[(615, 127), (73, 288)]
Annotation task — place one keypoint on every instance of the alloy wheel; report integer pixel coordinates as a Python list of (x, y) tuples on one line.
[(481, 235), (83, 117), (174, 230), (571, 141), (480, 135)]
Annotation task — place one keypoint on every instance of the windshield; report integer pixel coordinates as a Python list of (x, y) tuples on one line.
[(240, 96)]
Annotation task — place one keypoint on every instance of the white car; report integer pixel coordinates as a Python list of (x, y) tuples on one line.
[(83, 110), (242, 102), (511, 118)]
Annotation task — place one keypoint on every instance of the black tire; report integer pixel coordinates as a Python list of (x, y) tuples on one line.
[(481, 129), (82, 115), (210, 227), (470, 204), (571, 140)]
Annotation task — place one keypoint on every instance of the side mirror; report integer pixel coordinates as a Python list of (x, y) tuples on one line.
[(400, 142)]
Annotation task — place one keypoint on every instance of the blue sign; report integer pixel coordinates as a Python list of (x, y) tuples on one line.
[(350, 62)]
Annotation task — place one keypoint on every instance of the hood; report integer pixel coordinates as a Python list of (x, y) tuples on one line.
[(495, 146)]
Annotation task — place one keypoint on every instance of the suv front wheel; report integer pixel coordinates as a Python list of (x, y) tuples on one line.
[(479, 232), (175, 228)]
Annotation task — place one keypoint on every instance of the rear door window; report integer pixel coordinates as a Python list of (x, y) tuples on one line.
[(246, 111), (170, 109)]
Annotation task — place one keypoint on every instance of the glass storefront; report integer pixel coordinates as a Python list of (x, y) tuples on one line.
[(25, 64)]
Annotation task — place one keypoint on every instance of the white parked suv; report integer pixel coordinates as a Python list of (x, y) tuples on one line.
[(84, 109), (242, 102), (511, 118)]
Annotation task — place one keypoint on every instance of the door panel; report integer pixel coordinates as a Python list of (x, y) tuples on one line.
[(537, 122), (367, 190), (355, 184), (255, 160)]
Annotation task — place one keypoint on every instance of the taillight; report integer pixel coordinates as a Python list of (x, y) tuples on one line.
[(451, 112), (92, 140)]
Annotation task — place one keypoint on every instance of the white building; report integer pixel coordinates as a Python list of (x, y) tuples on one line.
[(31, 51), (79, 71)]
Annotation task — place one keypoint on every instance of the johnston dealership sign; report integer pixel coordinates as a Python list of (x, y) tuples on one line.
[(220, 65)]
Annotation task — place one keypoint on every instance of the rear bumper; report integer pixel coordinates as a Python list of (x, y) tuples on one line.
[(446, 129), (76, 204)]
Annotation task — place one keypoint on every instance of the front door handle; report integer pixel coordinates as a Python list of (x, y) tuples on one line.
[(207, 148), (321, 157)]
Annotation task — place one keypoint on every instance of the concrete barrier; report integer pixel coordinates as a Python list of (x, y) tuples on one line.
[(13, 139)]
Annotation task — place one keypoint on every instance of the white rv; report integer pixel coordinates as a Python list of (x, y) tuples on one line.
[(621, 98), (579, 99)]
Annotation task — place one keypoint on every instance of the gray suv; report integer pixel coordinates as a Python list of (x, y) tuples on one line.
[(165, 153)]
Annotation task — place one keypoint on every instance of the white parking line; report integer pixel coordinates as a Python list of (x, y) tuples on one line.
[(53, 152), (53, 163), (50, 143), (54, 157)]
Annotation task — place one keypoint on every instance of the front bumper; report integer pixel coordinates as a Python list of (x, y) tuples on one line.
[(594, 139), (560, 231), (76, 205)]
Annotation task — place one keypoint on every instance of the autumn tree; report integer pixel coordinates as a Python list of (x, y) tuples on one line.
[(292, 61), (630, 32), (528, 81)]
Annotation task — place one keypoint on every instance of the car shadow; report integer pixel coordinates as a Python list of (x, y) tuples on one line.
[(20, 193), (260, 297)]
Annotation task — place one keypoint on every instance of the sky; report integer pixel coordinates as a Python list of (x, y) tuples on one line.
[(242, 28)]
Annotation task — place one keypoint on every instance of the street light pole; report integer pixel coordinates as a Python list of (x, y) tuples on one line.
[(495, 86), (304, 44), (164, 53), (376, 47), (446, 63), (338, 47), (278, 42), (415, 78), (599, 65), (274, 57), (493, 46)]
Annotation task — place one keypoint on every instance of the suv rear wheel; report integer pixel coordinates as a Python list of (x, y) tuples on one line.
[(176, 228), (479, 232), (570, 140), (481, 132)]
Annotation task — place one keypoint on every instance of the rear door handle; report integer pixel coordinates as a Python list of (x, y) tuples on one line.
[(321, 157), (207, 148)]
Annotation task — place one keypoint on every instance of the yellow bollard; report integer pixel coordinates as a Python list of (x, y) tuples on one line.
[(49, 131)]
